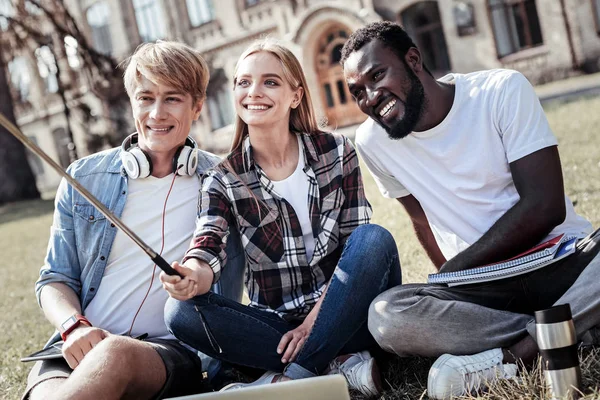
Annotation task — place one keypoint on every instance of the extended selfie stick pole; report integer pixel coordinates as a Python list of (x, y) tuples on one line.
[(156, 258)]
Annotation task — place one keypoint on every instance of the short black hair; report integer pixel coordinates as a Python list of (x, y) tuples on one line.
[(392, 35)]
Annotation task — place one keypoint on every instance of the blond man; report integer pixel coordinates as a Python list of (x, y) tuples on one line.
[(98, 289)]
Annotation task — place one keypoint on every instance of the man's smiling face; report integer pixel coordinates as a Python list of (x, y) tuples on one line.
[(385, 88), (163, 115)]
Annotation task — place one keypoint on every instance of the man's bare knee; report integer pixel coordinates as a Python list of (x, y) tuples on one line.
[(119, 353), (44, 389), (134, 365)]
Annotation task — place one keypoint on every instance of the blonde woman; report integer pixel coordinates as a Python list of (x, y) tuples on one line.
[(314, 261)]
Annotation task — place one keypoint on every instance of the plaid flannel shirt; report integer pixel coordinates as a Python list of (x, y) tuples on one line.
[(280, 278)]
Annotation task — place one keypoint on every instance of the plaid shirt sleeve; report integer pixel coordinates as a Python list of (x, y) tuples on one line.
[(212, 225), (356, 209)]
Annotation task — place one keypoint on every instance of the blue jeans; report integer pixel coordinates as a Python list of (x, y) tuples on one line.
[(243, 335), (231, 286)]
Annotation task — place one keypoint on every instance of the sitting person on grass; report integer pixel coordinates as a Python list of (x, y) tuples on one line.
[(97, 288), (474, 163), (314, 261)]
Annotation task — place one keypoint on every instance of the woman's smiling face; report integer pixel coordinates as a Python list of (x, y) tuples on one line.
[(262, 95)]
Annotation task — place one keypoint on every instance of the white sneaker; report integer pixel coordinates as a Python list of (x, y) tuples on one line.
[(361, 372), (458, 375), (266, 378)]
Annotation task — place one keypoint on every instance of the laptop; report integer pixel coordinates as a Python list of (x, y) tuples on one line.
[(330, 387)]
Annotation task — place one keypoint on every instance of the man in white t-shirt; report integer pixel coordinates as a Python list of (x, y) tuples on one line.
[(101, 291), (474, 163)]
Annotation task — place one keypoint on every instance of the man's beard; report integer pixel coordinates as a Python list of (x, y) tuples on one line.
[(413, 109)]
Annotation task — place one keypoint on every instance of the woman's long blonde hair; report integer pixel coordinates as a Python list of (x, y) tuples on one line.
[(302, 118)]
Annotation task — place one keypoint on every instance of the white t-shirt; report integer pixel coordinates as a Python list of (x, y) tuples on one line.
[(459, 170), (294, 189), (129, 270)]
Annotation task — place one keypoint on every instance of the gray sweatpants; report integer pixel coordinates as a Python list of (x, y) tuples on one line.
[(430, 320)]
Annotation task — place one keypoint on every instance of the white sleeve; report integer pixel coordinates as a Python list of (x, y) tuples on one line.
[(387, 183), (521, 120)]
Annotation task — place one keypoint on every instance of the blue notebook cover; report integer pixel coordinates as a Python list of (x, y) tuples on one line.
[(530, 262)]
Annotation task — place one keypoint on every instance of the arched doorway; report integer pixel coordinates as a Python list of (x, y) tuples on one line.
[(340, 108), (422, 22)]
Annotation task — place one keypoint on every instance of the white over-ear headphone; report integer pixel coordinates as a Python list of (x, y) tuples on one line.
[(137, 162)]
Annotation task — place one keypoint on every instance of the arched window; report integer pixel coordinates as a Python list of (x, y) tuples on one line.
[(98, 17), (515, 24), (200, 11)]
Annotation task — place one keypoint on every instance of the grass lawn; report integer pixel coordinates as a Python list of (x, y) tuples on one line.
[(24, 230)]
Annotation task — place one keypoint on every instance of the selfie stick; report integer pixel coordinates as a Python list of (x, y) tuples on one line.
[(156, 258)]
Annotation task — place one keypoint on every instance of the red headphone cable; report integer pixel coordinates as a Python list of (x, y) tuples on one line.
[(161, 250)]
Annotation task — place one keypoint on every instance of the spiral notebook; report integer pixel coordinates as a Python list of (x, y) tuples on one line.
[(537, 257)]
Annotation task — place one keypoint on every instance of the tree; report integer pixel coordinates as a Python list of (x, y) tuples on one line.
[(16, 178), (49, 24)]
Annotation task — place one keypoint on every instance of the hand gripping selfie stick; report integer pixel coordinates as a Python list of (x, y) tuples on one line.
[(156, 258)]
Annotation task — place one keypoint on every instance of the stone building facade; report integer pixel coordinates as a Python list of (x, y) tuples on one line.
[(544, 39)]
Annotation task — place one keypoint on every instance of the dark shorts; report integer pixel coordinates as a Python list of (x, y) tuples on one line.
[(183, 366)]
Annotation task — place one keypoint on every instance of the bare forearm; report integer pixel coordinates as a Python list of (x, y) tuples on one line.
[(519, 229), (59, 302), (422, 229), (430, 245), (205, 276), (541, 207)]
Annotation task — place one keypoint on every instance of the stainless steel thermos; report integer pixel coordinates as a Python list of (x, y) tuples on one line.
[(557, 342)]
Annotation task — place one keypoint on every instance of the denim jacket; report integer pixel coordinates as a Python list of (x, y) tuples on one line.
[(81, 237)]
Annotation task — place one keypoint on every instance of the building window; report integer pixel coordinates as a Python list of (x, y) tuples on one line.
[(220, 107), (219, 99), (98, 19), (515, 24), (596, 7), (200, 11), (422, 21), (47, 68), (148, 16), (250, 3), (18, 70)]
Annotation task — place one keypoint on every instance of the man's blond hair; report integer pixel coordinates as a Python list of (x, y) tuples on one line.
[(169, 63)]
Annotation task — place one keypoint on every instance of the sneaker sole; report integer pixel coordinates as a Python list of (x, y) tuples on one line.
[(231, 386), (430, 378)]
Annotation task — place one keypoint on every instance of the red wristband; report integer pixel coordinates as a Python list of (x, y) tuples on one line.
[(71, 323)]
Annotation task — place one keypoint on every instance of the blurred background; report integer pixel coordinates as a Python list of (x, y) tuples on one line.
[(60, 81)]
